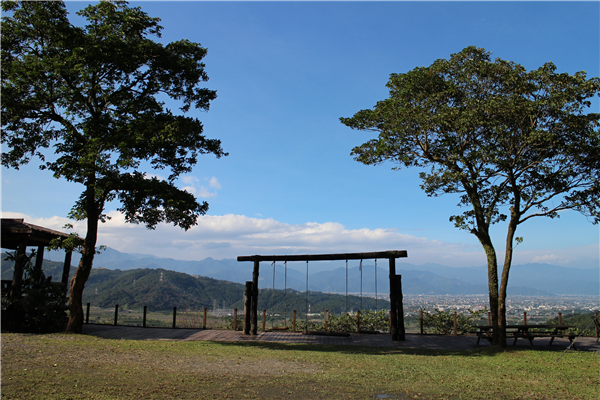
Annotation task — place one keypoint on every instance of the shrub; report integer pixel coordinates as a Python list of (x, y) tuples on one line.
[(369, 320), (442, 322), (375, 320), (240, 322)]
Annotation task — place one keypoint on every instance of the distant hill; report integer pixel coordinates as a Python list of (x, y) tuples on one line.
[(528, 279), (422, 281), (51, 268), (161, 289)]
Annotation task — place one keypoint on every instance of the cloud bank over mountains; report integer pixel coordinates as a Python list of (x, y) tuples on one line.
[(229, 236)]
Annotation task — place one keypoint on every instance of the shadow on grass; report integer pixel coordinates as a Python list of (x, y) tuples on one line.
[(366, 350)]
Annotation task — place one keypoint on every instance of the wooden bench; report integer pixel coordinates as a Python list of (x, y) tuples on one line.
[(529, 332)]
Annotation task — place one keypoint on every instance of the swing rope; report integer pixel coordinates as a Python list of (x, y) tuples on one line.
[(306, 318), (375, 285), (285, 297), (273, 297), (360, 267), (346, 286)]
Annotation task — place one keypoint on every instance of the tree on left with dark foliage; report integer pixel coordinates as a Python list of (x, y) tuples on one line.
[(94, 95)]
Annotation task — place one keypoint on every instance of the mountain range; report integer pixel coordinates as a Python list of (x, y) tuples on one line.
[(330, 277), (162, 289)]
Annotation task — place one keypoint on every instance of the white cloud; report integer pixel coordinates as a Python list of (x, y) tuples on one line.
[(191, 186), (214, 183), (229, 236), (545, 258), (189, 179), (150, 176)]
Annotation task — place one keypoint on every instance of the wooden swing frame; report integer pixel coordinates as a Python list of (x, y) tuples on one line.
[(396, 306)]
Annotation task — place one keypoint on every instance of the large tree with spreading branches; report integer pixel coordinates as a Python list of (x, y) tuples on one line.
[(512, 144), (96, 94)]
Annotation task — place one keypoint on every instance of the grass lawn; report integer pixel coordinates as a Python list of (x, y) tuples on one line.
[(65, 366)]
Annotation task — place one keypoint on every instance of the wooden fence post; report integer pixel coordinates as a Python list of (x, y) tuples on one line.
[(455, 324), (174, 317), (144, 318), (358, 321), (264, 319), (294, 321), (235, 319), (421, 322), (116, 314), (524, 317), (87, 314), (560, 318), (489, 318), (326, 320), (204, 319), (596, 322)]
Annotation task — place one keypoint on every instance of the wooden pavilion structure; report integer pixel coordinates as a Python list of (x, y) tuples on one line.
[(18, 235), (396, 307)]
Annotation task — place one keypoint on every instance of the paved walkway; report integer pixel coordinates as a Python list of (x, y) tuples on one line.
[(433, 342)]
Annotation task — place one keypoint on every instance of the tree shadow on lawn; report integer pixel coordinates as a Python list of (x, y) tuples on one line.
[(370, 350)]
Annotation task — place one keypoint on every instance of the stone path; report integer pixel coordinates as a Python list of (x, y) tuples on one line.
[(433, 342)]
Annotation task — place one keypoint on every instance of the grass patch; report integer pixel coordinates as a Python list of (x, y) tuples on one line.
[(64, 366)]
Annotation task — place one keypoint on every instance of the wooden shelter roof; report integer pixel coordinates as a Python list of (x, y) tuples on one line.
[(15, 230)]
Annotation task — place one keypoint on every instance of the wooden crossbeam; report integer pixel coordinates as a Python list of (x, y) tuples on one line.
[(328, 257)]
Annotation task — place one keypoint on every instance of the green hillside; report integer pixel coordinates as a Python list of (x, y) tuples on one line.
[(143, 287), (136, 288)]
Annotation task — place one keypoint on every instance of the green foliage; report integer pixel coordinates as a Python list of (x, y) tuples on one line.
[(95, 94), (310, 325), (73, 243), (493, 133), (342, 323), (369, 321), (442, 322), (512, 144), (94, 90), (375, 321), (229, 322), (42, 306)]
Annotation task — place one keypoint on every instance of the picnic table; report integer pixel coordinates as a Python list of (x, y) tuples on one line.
[(529, 332)]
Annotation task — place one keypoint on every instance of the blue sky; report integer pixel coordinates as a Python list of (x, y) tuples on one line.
[(285, 72)]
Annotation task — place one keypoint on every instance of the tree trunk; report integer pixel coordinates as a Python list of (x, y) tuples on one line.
[(498, 330), (75, 324), (483, 219), (512, 227)]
